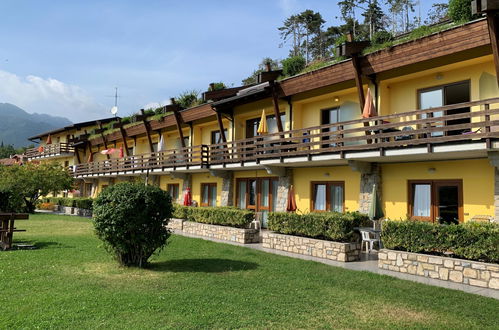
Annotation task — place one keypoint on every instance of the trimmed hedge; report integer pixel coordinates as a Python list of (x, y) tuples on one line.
[(79, 202), (223, 216), (471, 240), (332, 226)]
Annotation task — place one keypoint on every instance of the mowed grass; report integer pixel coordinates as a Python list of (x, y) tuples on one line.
[(71, 282)]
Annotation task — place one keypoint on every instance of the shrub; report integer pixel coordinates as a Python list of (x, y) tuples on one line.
[(332, 226), (131, 219), (46, 206), (460, 10), (84, 203), (293, 65), (10, 201), (382, 37), (223, 216), (474, 241)]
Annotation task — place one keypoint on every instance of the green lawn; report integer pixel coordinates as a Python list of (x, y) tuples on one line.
[(71, 282)]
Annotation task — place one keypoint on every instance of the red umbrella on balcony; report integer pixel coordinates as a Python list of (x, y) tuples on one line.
[(121, 152), (49, 140), (369, 108), (291, 205), (187, 197), (40, 149), (109, 151)]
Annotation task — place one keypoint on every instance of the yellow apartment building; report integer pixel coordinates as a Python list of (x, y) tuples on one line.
[(431, 150)]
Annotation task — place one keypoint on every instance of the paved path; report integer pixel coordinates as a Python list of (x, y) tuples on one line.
[(368, 263)]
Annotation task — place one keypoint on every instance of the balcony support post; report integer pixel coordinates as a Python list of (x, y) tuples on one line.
[(221, 127), (148, 129), (103, 137), (123, 136), (178, 121), (275, 101), (494, 34)]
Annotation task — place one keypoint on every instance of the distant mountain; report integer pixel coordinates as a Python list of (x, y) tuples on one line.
[(16, 125)]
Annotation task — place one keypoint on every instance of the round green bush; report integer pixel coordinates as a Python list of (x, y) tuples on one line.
[(293, 65), (131, 219)]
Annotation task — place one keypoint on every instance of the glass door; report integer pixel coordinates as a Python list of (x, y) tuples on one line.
[(448, 202), (257, 194), (432, 99), (329, 116)]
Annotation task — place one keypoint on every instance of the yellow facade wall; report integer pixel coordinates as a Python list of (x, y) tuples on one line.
[(398, 95), (477, 176), (302, 178), (165, 180), (198, 179)]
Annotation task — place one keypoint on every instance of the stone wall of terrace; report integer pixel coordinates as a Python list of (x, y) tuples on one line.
[(473, 273), (238, 235), (311, 247)]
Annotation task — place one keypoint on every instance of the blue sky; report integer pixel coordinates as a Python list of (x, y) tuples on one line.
[(65, 57)]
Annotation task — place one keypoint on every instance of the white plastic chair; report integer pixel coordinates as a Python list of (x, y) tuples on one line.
[(368, 240)]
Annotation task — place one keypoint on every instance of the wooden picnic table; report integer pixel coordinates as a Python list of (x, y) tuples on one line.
[(7, 228)]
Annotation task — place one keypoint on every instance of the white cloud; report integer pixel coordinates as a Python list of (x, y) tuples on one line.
[(50, 96)]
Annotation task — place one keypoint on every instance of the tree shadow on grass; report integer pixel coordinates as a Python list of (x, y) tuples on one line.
[(206, 265), (42, 244)]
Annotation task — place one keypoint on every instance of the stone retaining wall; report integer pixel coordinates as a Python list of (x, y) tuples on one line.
[(312, 247), (225, 233), (176, 224), (468, 272), (74, 211)]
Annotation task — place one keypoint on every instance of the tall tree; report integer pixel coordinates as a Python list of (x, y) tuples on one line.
[(438, 12), (292, 30), (347, 10), (374, 17), (312, 22)]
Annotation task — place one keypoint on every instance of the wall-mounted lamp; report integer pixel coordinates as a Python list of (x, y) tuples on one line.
[(432, 170), (336, 99), (327, 174), (439, 76)]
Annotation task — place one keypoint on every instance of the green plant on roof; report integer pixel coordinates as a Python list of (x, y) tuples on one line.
[(217, 86), (189, 99)]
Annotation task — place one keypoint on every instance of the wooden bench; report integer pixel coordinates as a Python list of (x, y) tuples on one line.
[(7, 228)]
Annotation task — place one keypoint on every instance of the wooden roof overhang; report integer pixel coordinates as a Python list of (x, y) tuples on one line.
[(70, 127), (187, 115), (463, 42), (254, 93), (456, 44)]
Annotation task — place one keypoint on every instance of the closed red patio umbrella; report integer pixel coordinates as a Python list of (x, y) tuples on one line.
[(49, 140), (121, 152), (291, 205), (369, 108), (188, 197)]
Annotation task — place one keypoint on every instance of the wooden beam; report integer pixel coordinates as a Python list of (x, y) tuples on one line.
[(148, 129), (494, 34), (358, 81), (275, 101), (178, 122), (103, 137), (123, 136), (221, 127), (77, 155)]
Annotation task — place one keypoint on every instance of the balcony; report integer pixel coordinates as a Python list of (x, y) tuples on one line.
[(189, 158), (448, 132), (50, 150), (470, 127)]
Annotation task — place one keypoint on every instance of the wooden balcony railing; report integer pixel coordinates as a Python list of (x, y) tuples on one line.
[(451, 123), (189, 156), (50, 150)]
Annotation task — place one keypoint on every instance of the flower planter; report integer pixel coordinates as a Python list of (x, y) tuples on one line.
[(312, 247), (473, 273)]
